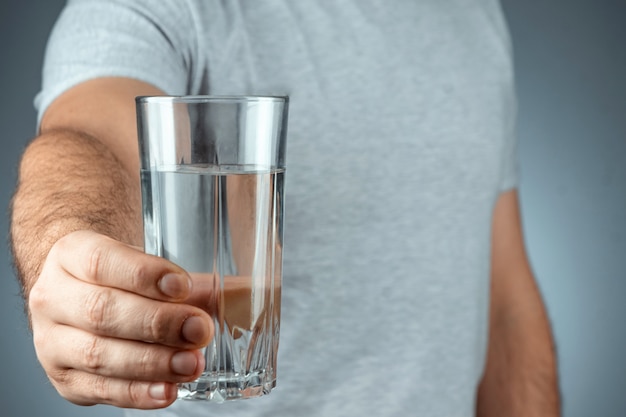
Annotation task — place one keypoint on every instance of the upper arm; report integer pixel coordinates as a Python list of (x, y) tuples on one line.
[(100, 55), (103, 108)]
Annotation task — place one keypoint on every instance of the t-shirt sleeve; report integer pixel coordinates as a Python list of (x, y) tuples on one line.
[(141, 39), (509, 172)]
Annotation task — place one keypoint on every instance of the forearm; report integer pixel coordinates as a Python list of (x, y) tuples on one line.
[(520, 377), (69, 181)]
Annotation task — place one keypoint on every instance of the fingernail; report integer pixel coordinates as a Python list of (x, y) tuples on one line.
[(184, 363), (157, 391), (194, 330), (174, 285)]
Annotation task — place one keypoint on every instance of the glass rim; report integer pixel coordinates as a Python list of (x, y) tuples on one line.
[(191, 99)]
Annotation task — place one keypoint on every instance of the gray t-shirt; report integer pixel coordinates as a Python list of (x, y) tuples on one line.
[(401, 137)]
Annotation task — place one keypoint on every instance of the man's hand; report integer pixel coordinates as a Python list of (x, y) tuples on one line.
[(109, 324)]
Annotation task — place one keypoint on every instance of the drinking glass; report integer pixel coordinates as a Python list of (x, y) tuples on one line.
[(212, 180)]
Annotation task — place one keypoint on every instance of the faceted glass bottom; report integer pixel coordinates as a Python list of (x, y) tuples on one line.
[(225, 387)]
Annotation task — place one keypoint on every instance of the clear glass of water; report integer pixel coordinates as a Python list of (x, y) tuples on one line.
[(212, 180)]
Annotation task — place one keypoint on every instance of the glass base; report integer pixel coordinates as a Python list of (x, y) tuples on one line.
[(224, 387)]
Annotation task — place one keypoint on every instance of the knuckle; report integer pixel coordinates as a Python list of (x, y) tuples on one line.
[(67, 384), (98, 305), (158, 325), (41, 339), (62, 380), (146, 362), (135, 392), (102, 389), (37, 299), (95, 256), (60, 377), (139, 273), (39, 296), (92, 354), (81, 389), (66, 243)]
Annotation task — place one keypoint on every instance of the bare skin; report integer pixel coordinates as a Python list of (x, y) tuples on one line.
[(520, 378), (109, 322), (114, 325)]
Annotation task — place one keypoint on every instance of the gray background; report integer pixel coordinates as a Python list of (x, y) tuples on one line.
[(571, 68)]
